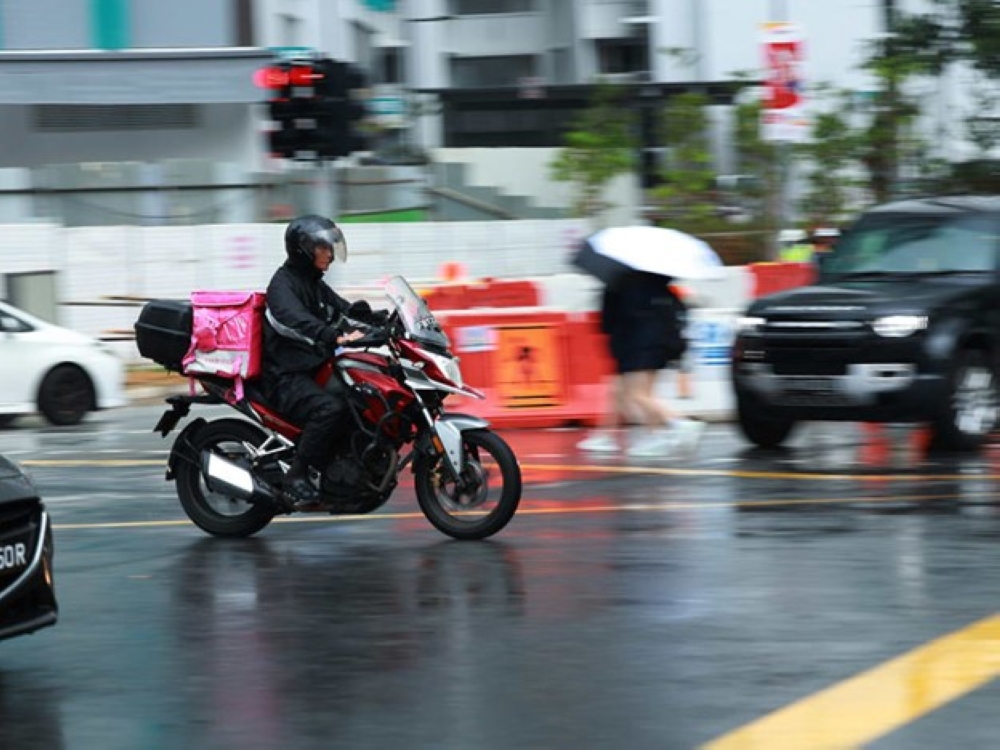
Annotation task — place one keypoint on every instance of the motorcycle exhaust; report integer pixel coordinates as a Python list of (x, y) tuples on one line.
[(230, 478)]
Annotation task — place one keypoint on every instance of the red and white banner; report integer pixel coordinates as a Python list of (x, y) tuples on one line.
[(784, 107)]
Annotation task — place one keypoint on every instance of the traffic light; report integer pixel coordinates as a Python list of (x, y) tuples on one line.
[(314, 107), (339, 111), (290, 107)]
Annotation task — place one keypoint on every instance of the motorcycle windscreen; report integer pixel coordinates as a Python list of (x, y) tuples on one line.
[(417, 318)]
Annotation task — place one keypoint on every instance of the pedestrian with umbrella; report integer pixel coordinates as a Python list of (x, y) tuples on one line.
[(643, 320)]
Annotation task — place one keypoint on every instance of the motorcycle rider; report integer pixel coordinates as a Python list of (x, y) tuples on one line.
[(305, 321)]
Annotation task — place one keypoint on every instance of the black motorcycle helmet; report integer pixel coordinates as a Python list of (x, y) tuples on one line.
[(304, 234)]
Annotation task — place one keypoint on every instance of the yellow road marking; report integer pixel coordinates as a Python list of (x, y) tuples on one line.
[(751, 474), (880, 700), (526, 510), (587, 469)]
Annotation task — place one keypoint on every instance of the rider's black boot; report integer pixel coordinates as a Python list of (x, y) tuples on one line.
[(297, 487)]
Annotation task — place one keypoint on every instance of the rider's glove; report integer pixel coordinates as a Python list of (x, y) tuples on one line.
[(330, 334), (362, 311)]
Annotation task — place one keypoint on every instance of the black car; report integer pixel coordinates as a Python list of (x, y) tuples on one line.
[(27, 591), (902, 325)]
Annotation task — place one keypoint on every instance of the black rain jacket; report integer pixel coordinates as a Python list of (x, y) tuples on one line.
[(303, 318), (642, 313)]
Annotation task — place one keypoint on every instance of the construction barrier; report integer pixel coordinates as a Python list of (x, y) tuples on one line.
[(537, 367), (482, 293), (540, 367), (768, 278)]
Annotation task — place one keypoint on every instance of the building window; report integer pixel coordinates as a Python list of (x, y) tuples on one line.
[(483, 7), (487, 72), (622, 56), (388, 65), (243, 11)]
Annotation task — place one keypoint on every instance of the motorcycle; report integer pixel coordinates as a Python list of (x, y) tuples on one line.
[(467, 479)]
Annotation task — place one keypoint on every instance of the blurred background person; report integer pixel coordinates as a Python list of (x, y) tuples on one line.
[(644, 321), (683, 382)]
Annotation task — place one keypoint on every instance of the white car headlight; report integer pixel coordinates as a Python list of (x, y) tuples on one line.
[(749, 323), (898, 326)]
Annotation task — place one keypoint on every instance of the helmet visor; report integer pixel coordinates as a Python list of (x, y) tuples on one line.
[(334, 239)]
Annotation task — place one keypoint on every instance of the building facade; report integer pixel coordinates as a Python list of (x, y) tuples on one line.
[(145, 92)]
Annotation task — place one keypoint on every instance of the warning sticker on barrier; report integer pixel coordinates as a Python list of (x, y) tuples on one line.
[(476, 339), (528, 367)]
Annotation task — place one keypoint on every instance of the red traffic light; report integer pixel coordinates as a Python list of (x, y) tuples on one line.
[(271, 77), (301, 75), (280, 76)]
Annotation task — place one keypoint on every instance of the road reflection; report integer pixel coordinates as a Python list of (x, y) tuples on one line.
[(269, 630), (29, 711)]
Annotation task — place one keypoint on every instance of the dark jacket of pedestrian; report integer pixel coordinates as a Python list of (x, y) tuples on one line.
[(644, 321)]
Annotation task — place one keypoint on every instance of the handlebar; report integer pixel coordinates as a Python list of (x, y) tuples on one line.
[(373, 337)]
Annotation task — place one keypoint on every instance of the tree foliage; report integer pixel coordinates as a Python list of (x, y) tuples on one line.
[(758, 159), (927, 44), (599, 147), (954, 31), (687, 193), (831, 158)]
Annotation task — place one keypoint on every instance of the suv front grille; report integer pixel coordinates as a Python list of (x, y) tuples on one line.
[(807, 326), (810, 366)]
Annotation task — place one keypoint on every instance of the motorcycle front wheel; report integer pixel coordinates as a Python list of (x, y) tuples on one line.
[(486, 496), (217, 513)]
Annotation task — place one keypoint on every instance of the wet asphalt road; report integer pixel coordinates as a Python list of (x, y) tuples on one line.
[(660, 604)]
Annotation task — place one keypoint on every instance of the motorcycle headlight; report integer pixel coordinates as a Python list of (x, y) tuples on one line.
[(749, 324), (449, 366), (898, 326), (454, 372)]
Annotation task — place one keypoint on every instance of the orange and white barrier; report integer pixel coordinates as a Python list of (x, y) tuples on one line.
[(768, 278), (537, 367)]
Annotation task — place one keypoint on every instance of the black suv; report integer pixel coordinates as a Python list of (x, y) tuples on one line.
[(903, 325)]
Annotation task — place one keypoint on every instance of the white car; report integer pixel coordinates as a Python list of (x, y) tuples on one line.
[(61, 373)]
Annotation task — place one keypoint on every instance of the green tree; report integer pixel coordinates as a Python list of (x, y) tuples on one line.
[(756, 158), (925, 44), (599, 147), (687, 195), (891, 113), (953, 31), (831, 160)]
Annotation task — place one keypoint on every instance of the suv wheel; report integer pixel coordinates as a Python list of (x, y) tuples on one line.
[(761, 431), (973, 404)]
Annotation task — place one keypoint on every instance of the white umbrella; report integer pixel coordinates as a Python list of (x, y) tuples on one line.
[(612, 253)]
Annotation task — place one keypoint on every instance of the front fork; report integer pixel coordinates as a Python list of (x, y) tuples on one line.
[(445, 433)]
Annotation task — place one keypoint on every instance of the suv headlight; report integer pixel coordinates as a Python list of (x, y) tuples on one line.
[(749, 324), (898, 326)]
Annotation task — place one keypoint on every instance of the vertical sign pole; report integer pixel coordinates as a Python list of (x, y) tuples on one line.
[(783, 116)]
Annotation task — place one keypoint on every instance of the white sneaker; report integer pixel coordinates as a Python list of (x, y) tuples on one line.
[(652, 445), (599, 442), (687, 433)]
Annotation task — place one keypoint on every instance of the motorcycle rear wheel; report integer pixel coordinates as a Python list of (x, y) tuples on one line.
[(469, 509), (215, 512)]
